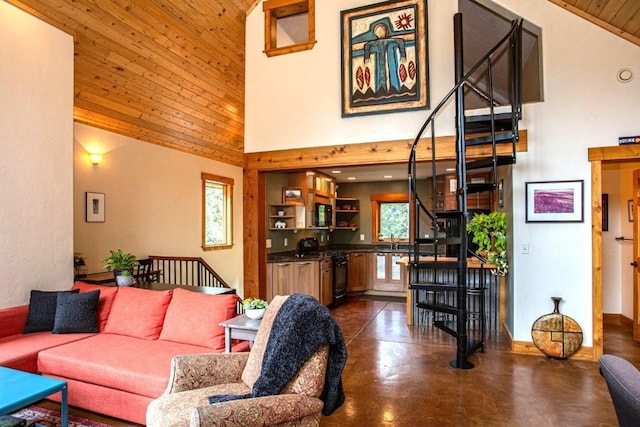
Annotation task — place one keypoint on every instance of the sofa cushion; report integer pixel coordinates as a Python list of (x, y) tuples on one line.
[(42, 310), (21, 351), (193, 318), (107, 295), (120, 362), (77, 313), (138, 313)]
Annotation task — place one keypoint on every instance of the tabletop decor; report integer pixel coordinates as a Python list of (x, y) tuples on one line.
[(384, 58), (254, 308), (556, 335)]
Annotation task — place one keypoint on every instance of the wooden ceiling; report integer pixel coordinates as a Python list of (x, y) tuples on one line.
[(621, 17), (172, 72), (166, 72)]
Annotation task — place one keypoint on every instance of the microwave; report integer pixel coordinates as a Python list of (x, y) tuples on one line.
[(323, 215)]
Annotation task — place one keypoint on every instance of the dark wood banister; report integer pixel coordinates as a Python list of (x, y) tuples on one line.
[(193, 270)]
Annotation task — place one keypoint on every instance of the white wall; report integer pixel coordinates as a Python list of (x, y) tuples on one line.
[(36, 133), (153, 198), (626, 249), (294, 101), (612, 249)]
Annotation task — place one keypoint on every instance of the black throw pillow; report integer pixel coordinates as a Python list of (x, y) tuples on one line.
[(42, 310), (77, 313)]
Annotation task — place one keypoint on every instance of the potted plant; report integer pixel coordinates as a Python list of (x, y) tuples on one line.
[(79, 265), (122, 264), (254, 308), (489, 232)]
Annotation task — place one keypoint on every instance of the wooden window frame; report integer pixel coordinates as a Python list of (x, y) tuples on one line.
[(275, 9), (228, 185), (376, 200)]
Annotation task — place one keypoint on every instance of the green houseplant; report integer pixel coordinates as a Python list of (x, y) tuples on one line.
[(254, 308), (489, 232), (122, 264)]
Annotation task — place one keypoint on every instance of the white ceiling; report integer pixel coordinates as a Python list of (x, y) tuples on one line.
[(397, 172)]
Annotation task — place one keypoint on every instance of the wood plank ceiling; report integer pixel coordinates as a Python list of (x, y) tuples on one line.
[(162, 71), (172, 72), (621, 17)]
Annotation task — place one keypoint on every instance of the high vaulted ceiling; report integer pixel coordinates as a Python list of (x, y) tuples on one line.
[(172, 72)]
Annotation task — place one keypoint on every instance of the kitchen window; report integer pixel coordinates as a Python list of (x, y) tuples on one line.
[(217, 212), (391, 217)]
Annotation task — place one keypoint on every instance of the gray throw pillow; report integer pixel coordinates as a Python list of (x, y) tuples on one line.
[(77, 313), (42, 310)]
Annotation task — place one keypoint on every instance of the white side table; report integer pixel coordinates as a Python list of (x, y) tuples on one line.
[(240, 327)]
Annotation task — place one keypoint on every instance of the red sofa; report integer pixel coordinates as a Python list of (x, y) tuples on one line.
[(122, 368)]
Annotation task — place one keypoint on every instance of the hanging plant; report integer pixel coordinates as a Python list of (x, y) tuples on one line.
[(489, 232)]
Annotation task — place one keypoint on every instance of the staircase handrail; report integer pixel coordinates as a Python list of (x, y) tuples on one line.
[(211, 277)]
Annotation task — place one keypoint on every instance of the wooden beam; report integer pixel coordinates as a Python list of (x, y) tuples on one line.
[(630, 152), (384, 152)]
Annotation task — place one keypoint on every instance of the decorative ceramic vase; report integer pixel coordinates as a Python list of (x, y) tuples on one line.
[(124, 280), (556, 335), (255, 313)]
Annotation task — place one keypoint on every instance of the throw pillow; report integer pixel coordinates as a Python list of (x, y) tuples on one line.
[(193, 318), (138, 313), (42, 310), (77, 313), (107, 295)]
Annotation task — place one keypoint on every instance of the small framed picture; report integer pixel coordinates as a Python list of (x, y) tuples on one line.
[(501, 193), (554, 201), (94, 207), (292, 196), (630, 210)]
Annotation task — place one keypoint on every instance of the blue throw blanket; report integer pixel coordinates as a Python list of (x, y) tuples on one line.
[(300, 327)]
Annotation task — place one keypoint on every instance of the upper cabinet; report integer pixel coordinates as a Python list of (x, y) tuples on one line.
[(308, 189), (447, 188)]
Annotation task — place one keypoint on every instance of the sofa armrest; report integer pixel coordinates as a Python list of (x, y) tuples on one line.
[(195, 371), (12, 320), (260, 411)]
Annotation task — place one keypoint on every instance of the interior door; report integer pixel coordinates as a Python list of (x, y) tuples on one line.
[(636, 255)]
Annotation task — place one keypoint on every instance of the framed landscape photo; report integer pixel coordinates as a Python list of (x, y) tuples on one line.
[(292, 196), (555, 201), (94, 207), (384, 58)]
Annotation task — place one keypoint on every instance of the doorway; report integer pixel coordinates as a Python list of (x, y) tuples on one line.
[(597, 156)]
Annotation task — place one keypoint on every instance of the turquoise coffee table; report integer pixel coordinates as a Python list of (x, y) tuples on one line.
[(20, 389)]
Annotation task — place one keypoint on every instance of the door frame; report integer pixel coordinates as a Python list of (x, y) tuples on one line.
[(597, 156)]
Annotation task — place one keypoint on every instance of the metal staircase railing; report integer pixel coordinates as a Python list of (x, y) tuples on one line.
[(471, 131)]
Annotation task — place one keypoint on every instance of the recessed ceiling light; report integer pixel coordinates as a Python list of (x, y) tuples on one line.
[(450, 169), (388, 176), (336, 171), (352, 178), (625, 75)]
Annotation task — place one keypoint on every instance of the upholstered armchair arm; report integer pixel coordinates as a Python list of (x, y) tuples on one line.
[(281, 410), (195, 371)]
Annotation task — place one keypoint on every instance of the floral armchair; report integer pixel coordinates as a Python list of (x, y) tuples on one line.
[(194, 378)]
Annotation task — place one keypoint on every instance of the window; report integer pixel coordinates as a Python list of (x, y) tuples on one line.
[(217, 212), (391, 216), (289, 26)]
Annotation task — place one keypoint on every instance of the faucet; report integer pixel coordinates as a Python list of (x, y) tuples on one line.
[(391, 240)]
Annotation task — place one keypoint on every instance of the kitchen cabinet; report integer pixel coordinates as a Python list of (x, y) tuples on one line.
[(315, 188), (347, 214), (326, 281), (446, 192), (285, 278), (358, 277), (386, 273)]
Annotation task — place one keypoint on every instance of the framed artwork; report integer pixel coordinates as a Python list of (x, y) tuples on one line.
[(630, 210), (292, 196), (501, 193), (555, 201), (384, 58), (94, 207)]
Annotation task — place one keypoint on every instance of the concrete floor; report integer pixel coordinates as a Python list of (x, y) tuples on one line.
[(399, 375)]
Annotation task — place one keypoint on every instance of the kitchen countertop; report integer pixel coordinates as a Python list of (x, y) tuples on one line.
[(328, 251)]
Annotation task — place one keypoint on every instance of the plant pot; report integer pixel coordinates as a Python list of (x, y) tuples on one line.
[(124, 280), (255, 313)]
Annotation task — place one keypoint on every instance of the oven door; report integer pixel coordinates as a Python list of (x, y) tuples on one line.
[(340, 275)]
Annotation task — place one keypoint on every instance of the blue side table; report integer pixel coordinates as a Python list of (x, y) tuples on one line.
[(20, 389)]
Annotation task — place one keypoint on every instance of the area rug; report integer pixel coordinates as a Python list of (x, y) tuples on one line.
[(51, 418)]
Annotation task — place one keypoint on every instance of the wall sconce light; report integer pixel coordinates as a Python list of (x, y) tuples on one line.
[(96, 158)]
